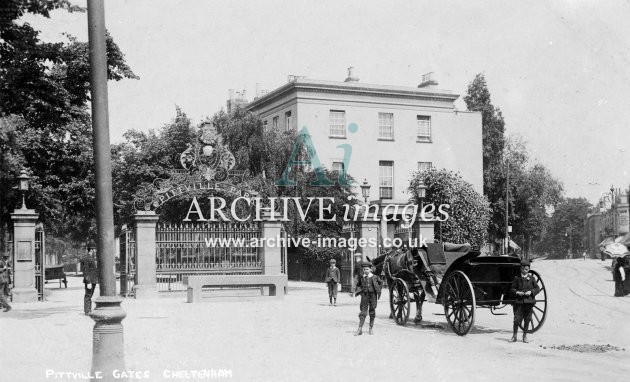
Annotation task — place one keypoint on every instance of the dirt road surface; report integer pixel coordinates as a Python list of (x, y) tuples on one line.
[(302, 338)]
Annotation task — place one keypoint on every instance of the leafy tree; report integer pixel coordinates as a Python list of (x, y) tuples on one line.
[(469, 213), (45, 128), (566, 228), (493, 142), (146, 156)]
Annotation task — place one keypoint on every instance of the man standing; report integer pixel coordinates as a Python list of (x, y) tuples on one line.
[(90, 276), (524, 288), (4, 284), (333, 276), (369, 287)]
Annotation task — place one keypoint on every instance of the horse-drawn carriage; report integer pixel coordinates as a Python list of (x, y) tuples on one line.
[(456, 277)]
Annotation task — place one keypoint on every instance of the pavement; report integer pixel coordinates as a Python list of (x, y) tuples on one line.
[(586, 337)]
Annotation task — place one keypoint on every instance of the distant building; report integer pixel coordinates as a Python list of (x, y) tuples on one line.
[(610, 219), (401, 130)]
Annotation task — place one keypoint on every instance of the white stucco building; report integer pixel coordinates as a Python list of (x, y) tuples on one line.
[(400, 129)]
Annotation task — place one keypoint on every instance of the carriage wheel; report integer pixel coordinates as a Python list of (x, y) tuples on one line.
[(459, 303), (539, 312), (399, 301)]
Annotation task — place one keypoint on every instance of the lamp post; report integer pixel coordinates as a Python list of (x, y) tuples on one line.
[(507, 209), (365, 190), (613, 212), (23, 184), (107, 340)]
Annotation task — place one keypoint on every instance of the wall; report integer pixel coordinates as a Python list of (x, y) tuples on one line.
[(456, 142)]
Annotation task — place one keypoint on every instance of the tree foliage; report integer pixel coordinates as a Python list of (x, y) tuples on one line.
[(532, 189), (565, 229), (469, 212), (45, 127)]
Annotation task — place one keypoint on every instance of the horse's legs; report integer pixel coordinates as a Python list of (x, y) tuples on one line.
[(390, 283), (419, 302)]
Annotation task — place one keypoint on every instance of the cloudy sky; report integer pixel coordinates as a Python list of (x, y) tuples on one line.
[(559, 70)]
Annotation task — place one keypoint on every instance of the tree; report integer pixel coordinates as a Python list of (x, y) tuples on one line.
[(469, 212), (44, 95), (144, 157), (566, 228)]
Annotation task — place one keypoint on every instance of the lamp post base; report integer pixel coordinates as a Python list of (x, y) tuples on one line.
[(108, 349)]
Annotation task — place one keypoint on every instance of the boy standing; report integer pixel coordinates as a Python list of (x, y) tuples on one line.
[(369, 287), (333, 275), (524, 288)]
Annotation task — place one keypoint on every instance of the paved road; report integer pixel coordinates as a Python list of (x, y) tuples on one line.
[(302, 338)]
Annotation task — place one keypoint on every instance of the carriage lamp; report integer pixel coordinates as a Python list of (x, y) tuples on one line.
[(365, 190), (23, 184)]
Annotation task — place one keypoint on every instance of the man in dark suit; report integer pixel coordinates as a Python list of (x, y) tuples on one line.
[(524, 289), (333, 275), (369, 288), (90, 276)]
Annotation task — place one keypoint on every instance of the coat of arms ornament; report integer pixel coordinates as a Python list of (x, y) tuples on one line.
[(206, 164)]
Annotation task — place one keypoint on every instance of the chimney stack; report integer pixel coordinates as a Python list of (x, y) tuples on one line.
[(428, 81), (351, 77)]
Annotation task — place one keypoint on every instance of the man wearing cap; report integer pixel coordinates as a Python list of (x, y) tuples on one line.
[(524, 289), (90, 276), (333, 275), (369, 287)]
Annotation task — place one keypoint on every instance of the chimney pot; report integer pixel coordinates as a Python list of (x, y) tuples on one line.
[(351, 77)]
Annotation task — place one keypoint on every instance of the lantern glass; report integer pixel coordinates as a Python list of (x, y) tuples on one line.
[(23, 185), (365, 189)]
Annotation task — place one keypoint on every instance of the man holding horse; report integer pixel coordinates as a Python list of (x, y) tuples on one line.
[(369, 288)]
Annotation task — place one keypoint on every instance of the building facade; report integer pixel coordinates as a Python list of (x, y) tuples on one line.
[(610, 219), (392, 131)]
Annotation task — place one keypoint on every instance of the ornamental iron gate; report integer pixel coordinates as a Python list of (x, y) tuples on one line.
[(205, 248), (40, 264), (128, 261)]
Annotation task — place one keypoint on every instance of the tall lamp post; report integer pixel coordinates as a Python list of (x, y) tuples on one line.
[(107, 345), (355, 257)]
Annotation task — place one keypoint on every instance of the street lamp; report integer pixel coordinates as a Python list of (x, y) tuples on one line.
[(422, 192), (365, 190), (23, 184)]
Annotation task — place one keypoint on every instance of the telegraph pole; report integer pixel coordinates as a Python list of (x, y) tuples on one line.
[(507, 209), (107, 342)]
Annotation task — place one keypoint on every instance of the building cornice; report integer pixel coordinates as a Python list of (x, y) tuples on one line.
[(353, 89)]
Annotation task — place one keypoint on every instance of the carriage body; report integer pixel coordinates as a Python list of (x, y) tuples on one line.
[(458, 278)]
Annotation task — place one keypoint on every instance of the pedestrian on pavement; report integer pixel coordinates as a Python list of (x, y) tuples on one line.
[(369, 288), (524, 288), (90, 276), (584, 255), (619, 276), (333, 275), (4, 283)]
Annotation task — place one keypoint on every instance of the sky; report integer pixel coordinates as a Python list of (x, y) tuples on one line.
[(558, 70)]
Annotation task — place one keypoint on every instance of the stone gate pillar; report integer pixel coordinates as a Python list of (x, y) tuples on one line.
[(368, 231), (426, 228), (24, 255), (145, 223), (271, 255)]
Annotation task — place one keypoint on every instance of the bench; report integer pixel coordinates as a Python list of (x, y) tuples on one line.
[(277, 283), (55, 272)]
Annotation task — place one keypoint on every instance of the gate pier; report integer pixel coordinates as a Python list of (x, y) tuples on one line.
[(146, 282), (24, 255)]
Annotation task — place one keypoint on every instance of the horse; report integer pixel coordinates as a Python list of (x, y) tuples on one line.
[(405, 263)]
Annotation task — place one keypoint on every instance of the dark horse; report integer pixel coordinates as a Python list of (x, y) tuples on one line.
[(403, 263)]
